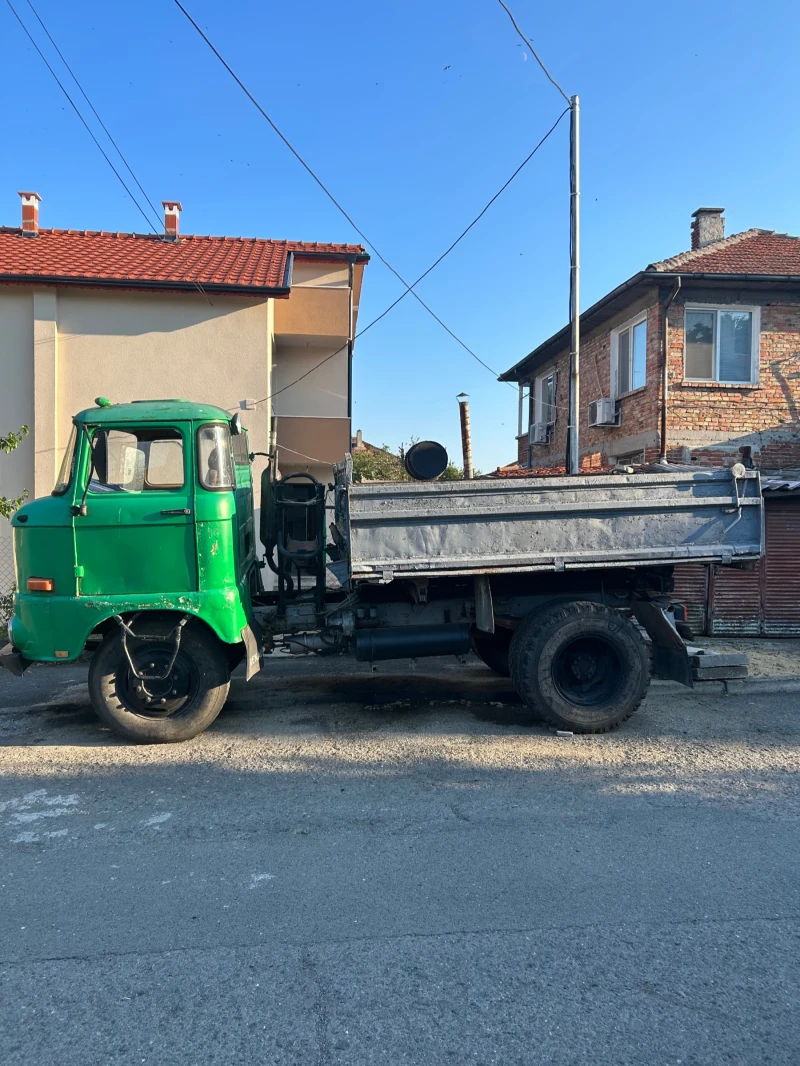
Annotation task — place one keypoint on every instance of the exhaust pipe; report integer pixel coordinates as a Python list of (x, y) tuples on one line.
[(412, 642)]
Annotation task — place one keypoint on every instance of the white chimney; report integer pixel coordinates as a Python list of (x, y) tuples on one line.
[(30, 213), (172, 212)]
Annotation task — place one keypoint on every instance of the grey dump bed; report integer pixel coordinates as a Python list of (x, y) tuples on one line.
[(499, 526)]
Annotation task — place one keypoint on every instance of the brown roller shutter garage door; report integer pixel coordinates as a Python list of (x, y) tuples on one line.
[(735, 601), (765, 601), (780, 570)]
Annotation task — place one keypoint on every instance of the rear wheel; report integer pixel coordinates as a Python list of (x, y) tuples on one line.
[(580, 666), (493, 648), (178, 707)]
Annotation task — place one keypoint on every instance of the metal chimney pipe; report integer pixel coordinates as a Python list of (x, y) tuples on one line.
[(466, 435)]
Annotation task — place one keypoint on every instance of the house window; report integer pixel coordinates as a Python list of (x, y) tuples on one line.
[(629, 356), (721, 344), (545, 398)]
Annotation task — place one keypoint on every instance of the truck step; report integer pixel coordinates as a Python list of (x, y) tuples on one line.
[(718, 673)]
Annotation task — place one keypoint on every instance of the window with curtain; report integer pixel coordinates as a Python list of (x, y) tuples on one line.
[(721, 344)]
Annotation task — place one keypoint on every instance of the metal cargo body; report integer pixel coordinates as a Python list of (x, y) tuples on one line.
[(497, 526)]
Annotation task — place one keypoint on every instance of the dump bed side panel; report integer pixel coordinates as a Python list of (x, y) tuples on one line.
[(468, 527)]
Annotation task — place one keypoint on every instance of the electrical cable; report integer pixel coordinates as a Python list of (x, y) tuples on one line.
[(105, 129), (107, 132), (477, 218), (327, 191), (433, 265), (80, 116), (528, 42)]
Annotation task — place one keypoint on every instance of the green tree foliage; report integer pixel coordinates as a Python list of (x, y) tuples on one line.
[(7, 508), (8, 444)]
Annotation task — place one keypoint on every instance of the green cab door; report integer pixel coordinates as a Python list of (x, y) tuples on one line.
[(137, 536)]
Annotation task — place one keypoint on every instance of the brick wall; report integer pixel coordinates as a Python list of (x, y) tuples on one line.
[(707, 422), (714, 421)]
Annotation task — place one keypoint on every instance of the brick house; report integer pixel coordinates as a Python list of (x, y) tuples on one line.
[(697, 359)]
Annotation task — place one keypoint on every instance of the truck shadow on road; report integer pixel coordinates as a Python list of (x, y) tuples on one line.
[(319, 696)]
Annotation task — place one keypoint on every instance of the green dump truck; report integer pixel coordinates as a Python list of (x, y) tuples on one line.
[(147, 553)]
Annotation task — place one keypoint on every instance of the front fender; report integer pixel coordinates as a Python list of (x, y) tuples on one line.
[(55, 628)]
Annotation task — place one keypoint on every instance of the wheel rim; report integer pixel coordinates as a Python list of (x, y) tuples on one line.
[(157, 699), (587, 671)]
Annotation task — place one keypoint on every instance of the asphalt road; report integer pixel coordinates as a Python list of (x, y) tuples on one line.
[(398, 868)]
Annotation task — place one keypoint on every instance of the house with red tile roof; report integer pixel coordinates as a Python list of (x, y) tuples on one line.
[(695, 359), (265, 327)]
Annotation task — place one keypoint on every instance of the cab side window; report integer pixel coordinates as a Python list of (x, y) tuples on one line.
[(137, 460), (214, 463)]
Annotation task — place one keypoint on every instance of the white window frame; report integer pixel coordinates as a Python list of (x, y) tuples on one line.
[(755, 342), (615, 332), (537, 392)]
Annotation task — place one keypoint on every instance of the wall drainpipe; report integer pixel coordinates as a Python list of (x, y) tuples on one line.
[(665, 368)]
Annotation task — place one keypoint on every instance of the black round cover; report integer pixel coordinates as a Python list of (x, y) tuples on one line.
[(426, 460)]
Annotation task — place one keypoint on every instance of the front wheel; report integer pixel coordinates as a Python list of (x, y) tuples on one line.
[(580, 666), (178, 707)]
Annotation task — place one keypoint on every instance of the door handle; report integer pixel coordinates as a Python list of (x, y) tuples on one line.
[(179, 510)]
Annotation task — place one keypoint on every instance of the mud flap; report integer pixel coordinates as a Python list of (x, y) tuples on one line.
[(484, 606), (252, 651), (12, 661), (670, 654)]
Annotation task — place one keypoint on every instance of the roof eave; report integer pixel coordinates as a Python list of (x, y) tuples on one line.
[(649, 277), (199, 287), (336, 257)]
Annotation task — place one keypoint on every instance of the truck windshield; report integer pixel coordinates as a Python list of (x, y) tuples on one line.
[(137, 460), (67, 465), (214, 457)]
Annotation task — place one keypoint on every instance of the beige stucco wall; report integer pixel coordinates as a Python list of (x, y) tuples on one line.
[(318, 313), (132, 346), (323, 393), (16, 407), (307, 272)]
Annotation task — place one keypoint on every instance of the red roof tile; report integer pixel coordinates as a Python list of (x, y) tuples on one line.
[(238, 264), (754, 251)]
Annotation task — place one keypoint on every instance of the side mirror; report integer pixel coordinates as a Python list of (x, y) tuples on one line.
[(236, 424)]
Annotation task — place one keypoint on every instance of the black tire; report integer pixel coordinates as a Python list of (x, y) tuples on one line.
[(493, 649), (580, 666), (199, 681)]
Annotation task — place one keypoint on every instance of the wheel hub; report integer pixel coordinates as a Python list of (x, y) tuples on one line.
[(584, 666), (587, 670), (149, 694)]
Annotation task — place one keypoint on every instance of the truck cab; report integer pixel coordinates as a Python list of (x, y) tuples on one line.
[(147, 540)]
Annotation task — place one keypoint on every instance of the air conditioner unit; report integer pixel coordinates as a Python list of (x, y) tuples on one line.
[(537, 434), (603, 412)]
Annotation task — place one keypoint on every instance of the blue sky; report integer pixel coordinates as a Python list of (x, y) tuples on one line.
[(414, 114)]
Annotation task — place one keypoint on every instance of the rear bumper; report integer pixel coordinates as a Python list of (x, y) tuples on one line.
[(12, 661)]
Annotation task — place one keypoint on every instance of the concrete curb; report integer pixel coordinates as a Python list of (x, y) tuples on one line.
[(748, 686)]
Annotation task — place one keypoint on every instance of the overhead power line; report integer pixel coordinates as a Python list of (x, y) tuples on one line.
[(80, 116), (105, 128), (328, 193), (433, 265), (529, 43)]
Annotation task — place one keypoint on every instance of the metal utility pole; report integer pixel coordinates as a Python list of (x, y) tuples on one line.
[(466, 435), (573, 447)]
